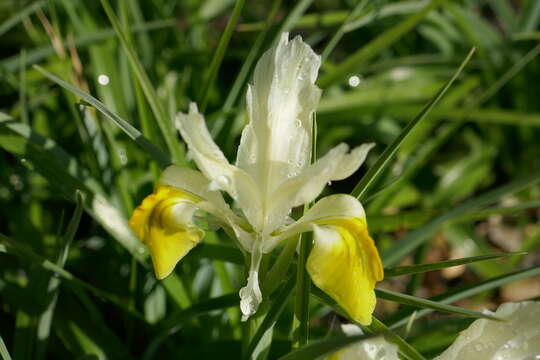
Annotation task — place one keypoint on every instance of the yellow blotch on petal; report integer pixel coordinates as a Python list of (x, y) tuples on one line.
[(345, 264), (163, 221)]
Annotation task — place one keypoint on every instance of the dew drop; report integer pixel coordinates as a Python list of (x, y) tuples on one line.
[(300, 77), (329, 183), (290, 161), (298, 123), (478, 347), (222, 180)]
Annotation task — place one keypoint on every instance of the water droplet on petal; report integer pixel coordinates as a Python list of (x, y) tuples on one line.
[(478, 347), (222, 180), (329, 183), (298, 123)]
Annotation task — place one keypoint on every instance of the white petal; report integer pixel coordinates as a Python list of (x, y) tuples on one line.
[(277, 141), (304, 188), (211, 161), (196, 183), (373, 349), (337, 206), (518, 338)]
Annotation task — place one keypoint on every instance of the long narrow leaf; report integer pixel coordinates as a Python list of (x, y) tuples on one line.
[(161, 158), (464, 292), (361, 189), (421, 268), (415, 238), (429, 304), (373, 48), (165, 124)]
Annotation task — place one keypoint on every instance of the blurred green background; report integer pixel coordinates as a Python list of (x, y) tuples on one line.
[(464, 183)]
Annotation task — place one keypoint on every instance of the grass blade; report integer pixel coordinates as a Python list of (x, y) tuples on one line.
[(415, 238), (320, 348), (361, 189), (3, 350), (400, 319), (161, 158), (271, 317), (376, 327), (45, 320), (26, 254), (165, 124), (429, 304), (219, 54), (17, 18), (373, 48), (420, 268), (405, 349)]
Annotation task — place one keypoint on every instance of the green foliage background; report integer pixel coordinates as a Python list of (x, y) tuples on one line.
[(463, 183)]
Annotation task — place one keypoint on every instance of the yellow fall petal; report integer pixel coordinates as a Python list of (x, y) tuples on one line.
[(345, 264), (163, 222)]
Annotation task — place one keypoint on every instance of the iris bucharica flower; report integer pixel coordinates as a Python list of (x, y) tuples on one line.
[(274, 173)]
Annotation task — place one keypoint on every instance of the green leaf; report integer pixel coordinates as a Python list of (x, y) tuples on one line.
[(3, 350), (271, 317), (320, 348), (45, 320), (415, 238), (429, 304), (405, 349), (219, 54), (27, 254), (126, 127), (174, 322), (18, 17), (463, 292), (420, 268), (165, 124), (376, 327), (375, 47), (361, 189)]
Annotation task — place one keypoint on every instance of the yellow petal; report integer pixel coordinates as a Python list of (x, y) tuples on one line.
[(345, 264), (163, 222)]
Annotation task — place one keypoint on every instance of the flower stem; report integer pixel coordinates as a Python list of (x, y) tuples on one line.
[(303, 286)]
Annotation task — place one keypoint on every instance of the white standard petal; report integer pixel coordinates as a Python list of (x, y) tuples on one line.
[(280, 104), (517, 338), (337, 164), (222, 175)]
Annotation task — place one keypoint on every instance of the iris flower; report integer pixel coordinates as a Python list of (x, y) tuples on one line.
[(272, 175)]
